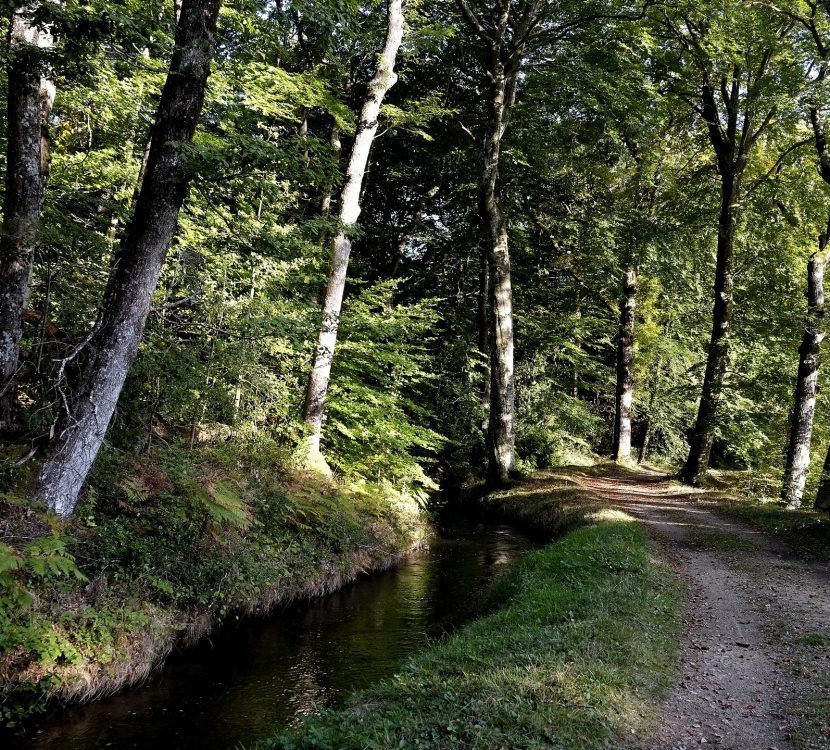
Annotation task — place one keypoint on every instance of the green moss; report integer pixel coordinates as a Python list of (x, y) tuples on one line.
[(576, 655)]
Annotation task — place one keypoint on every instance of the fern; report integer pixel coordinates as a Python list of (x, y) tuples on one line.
[(224, 506)]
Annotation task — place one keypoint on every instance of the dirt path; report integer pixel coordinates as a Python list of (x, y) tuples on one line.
[(755, 664)]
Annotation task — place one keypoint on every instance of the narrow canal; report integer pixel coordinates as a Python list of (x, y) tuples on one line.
[(256, 676)]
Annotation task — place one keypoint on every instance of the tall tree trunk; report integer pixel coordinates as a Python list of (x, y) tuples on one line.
[(483, 324), (806, 387), (501, 436), (820, 137), (30, 99), (114, 341), (703, 434), (383, 80), (625, 368)]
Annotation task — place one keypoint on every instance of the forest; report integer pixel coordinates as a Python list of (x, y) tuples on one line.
[(286, 284)]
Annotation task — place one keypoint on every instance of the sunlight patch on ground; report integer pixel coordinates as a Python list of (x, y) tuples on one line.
[(612, 515)]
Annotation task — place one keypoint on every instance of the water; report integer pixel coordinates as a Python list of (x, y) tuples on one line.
[(256, 676)]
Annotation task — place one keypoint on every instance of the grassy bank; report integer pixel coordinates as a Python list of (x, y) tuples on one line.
[(575, 653), (166, 547)]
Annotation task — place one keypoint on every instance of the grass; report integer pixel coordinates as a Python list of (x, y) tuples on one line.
[(579, 647), (812, 706), (751, 498)]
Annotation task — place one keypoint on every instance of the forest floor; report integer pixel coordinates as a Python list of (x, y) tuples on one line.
[(755, 656)]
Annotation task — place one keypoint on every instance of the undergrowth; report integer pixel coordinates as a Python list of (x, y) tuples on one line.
[(166, 546), (580, 646)]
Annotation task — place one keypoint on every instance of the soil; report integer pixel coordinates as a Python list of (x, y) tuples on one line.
[(755, 657)]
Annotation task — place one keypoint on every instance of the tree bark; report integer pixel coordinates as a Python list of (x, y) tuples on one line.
[(383, 80), (30, 98), (483, 325), (820, 137), (703, 434), (114, 341), (501, 437), (728, 107), (625, 368), (806, 387)]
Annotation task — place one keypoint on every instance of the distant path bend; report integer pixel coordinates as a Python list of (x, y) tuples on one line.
[(755, 658)]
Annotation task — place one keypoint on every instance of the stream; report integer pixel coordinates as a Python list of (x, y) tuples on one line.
[(255, 676)]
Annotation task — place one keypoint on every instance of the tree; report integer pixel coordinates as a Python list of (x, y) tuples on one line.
[(113, 343), (814, 22), (383, 80), (29, 101), (508, 34), (729, 55), (806, 388), (503, 30), (625, 367)]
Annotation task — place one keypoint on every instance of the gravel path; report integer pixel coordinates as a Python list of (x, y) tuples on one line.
[(755, 661)]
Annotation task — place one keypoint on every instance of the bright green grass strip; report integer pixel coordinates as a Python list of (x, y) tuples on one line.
[(576, 657)]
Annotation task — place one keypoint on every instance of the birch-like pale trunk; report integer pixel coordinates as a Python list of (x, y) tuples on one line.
[(114, 341), (625, 368), (383, 80), (806, 387), (29, 103)]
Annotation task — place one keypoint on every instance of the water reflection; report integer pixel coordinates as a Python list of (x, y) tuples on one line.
[(256, 676)]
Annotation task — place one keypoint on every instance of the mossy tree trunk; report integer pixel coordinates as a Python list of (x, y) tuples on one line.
[(113, 342), (29, 103)]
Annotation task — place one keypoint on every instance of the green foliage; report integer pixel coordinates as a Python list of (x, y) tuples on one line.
[(44, 560), (376, 417), (27, 571), (606, 165)]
